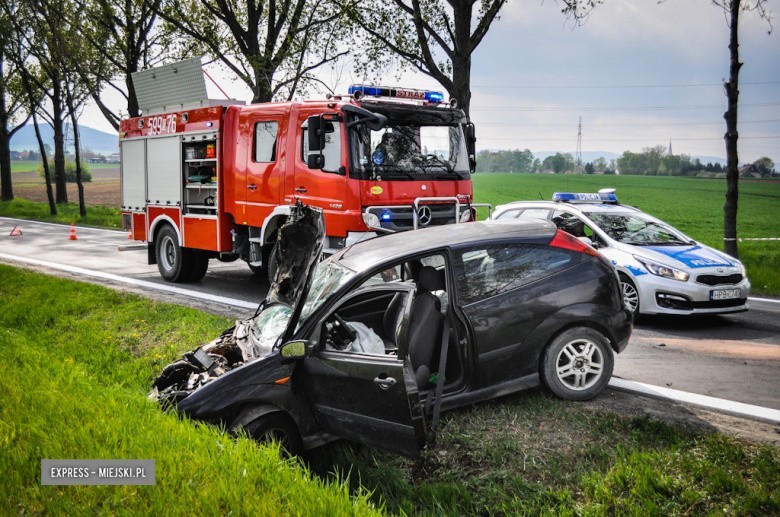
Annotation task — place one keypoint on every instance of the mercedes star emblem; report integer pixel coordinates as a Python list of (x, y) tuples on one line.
[(424, 215)]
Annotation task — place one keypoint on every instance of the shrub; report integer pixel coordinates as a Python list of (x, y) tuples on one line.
[(70, 171)]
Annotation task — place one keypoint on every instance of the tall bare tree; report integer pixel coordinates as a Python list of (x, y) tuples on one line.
[(733, 9), (273, 46), (13, 106), (43, 31), (129, 37), (435, 37)]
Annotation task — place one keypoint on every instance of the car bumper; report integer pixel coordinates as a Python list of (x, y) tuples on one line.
[(622, 325), (663, 296)]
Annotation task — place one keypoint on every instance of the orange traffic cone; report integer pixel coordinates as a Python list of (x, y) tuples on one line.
[(16, 232), (72, 235)]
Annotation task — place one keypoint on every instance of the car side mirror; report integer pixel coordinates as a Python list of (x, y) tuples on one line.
[(293, 350), (589, 242)]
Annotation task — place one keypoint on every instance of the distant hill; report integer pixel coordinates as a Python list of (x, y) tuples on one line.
[(96, 140)]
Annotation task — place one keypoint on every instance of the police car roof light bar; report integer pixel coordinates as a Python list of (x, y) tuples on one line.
[(603, 196), (428, 96)]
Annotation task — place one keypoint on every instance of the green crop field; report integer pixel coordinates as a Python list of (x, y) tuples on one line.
[(693, 205)]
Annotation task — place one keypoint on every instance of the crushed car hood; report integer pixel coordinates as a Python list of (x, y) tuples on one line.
[(298, 248)]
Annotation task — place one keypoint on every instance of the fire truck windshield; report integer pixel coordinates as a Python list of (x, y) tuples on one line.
[(415, 143)]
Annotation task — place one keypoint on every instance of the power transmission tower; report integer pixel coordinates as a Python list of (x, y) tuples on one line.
[(578, 168)]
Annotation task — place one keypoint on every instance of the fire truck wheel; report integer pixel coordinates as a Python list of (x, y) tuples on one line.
[(272, 265), (170, 256), (257, 270), (199, 263)]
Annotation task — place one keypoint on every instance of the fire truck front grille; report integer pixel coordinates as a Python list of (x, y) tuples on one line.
[(401, 218)]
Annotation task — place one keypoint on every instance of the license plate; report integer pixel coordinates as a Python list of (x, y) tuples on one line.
[(725, 294)]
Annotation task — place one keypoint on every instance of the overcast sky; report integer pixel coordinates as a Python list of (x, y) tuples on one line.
[(639, 73)]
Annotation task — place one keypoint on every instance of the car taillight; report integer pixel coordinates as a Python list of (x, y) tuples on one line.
[(567, 241)]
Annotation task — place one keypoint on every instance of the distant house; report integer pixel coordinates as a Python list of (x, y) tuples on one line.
[(749, 170), (113, 158), (16, 155)]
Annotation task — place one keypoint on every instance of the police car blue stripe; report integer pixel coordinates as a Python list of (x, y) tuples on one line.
[(693, 256)]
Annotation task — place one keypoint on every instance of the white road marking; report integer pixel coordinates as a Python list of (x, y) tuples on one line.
[(66, 226), (132, 281), (726, 406), (765, 300)]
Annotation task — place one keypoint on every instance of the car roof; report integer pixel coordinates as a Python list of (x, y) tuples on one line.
[(366, 254)]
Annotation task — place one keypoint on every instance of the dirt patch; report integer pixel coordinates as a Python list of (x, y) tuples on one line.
[(104, 189), (687, 415)]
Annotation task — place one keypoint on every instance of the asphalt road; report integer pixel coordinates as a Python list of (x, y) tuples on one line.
[(735, 357)]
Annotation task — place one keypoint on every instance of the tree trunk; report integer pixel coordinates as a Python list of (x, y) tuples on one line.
[(731, 137), (461, 61), (59, 144), (46, 173), (76, 145), (6, 187), (262, 92)]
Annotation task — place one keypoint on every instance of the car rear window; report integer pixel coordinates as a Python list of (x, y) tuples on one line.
[(487, 271)]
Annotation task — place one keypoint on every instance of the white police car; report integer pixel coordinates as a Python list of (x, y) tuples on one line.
[(661, 270)]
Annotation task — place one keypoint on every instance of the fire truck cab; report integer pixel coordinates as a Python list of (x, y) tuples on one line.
[(209, 179)]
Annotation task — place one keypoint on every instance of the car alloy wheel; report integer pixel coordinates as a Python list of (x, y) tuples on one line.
[(630, 294), (577, 364)]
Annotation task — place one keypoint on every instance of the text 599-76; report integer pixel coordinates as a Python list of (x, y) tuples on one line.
[(162, 124)]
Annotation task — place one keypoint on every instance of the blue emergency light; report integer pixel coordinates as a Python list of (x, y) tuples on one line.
[(429, 96), (602, 196)]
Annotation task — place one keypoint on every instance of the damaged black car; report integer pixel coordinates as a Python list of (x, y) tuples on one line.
[(371, 344)]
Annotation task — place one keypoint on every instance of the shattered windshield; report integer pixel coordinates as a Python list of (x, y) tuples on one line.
[(328, 278), (410, 147), (638, 229), (268, 326)]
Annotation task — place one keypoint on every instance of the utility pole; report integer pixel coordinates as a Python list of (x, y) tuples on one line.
[(578, 157)]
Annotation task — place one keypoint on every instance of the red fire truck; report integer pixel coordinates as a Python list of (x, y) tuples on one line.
[(213, 179)]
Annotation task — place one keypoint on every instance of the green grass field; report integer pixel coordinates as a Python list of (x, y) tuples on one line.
[(68, 213), (79, 360), (693, 205)]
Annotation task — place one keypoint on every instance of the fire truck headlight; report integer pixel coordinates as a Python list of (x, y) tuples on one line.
[(465, 216), (371, 220)]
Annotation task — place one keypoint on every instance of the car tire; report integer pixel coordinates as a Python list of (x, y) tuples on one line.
[(276, 427), (170, 256), (577, 364), (630, 294)]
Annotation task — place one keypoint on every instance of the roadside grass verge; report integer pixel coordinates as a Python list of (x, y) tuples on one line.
[(530, 454), (67, 213), (79, 362)]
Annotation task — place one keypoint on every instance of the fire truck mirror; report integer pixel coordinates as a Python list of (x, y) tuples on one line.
[(316, 133), (471, 146), (315, 161)]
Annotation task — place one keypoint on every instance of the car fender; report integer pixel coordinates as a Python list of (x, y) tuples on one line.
[(580, 315), (253, 412)]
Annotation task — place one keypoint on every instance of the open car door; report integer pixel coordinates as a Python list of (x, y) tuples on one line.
[(370, 398)]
